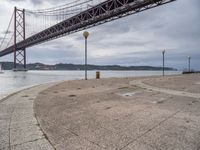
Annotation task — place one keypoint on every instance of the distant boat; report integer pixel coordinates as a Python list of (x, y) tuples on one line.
[(1, 69)]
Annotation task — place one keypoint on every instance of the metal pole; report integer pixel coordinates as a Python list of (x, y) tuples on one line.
[(15, 48), (189, 63), (24, 37), (163, 52), (85, 58), (85, 34)]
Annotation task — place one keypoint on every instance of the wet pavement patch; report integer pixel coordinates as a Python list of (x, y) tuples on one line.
[(195, 101), (72, 95), (108, 108), (160, 102), (25, 96), (125, 87)]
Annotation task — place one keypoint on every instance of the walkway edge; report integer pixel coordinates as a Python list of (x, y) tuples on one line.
[(139, 83)]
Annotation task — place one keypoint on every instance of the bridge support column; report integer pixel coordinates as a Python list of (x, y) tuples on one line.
[(19, 35)]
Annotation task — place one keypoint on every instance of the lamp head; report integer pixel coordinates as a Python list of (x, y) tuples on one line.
[(86, 34)]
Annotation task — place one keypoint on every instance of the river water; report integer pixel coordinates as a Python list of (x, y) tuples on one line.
[(12, 81)]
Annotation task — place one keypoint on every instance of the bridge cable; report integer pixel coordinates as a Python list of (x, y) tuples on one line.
[(7, 31)]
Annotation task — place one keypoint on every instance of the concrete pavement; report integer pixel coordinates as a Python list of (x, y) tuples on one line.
[(111, 114)]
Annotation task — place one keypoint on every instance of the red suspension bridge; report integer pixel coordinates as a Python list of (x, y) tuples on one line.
[(28, 28)]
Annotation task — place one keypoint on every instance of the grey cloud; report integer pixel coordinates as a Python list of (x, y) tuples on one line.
[(16, 0), (33, 1), (39, 2), (8, 32)]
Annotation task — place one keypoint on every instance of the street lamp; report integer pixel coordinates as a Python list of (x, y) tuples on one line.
[(163, 53), (85, 34), (189, 57)]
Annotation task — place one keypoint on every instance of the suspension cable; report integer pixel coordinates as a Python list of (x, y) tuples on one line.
[(10, 40), (7, 30), (56, 9)]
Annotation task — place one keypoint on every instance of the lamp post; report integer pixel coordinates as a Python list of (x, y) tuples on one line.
[(189, 57), (85, 34), (163, 53)]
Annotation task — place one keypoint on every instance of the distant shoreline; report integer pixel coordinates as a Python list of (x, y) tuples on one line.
[(71, 67), (103, 70)]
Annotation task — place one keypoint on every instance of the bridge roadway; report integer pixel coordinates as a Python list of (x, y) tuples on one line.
[(99, 14)]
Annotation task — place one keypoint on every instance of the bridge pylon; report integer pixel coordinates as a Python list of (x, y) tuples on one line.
[(19, 35)]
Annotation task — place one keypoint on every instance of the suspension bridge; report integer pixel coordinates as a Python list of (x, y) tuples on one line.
[(28, 28)]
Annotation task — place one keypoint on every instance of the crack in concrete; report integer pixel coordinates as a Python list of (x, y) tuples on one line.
[(149, 130)]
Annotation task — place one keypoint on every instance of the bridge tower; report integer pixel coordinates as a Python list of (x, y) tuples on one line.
[(19, 35)]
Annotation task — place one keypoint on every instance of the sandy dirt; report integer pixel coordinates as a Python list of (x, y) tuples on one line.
[(113, 114)]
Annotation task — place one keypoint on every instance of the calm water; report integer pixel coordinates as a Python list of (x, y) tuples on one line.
[(11, 81)]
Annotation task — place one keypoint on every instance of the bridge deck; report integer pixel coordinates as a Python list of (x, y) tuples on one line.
[(99, 14)]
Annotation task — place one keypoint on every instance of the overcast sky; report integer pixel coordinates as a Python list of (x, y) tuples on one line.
[(135, 40)]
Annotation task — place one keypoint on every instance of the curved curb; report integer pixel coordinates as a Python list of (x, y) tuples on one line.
[(45, 135)]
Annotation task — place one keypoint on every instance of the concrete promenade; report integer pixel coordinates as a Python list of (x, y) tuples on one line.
[(154, 113), (19, 129)]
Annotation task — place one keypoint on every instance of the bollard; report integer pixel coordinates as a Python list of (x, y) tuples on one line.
[(97, 75)]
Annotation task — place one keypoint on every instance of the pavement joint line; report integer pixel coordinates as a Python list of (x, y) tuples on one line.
[(72, 132), (9, 128), (28, 142), (96, 144), (150, 130)]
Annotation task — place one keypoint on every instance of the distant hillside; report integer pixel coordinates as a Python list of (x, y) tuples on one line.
[(40, 66)]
